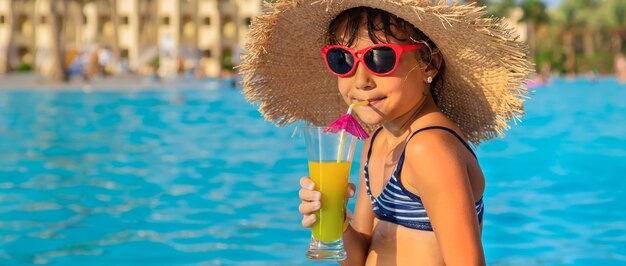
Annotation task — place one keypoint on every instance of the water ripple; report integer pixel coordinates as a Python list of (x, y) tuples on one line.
[(197, 177)]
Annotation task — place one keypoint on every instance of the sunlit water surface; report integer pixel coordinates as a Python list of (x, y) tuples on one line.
[(196, 176)]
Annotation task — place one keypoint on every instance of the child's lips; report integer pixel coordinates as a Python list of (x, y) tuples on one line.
[(375, 101)]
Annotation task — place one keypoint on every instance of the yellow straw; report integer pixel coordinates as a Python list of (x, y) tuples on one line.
[(343, 131)]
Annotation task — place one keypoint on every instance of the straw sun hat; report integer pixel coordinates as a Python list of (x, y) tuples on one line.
[(483, 86)]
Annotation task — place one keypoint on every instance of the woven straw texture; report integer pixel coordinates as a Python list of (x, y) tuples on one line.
[(483, 84)]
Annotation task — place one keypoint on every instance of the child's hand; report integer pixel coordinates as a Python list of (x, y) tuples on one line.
[(311, 200)]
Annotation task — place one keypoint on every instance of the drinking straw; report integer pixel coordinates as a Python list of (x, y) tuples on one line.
[(343, 130)]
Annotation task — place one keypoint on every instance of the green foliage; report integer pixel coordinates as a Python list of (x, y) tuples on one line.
[(601, 61), (535, 11), (227, 60), (576, 13), (605, 20), (478, 2), (501, 8), (612, 14), (156, 62), (24, 67), (553, 58)]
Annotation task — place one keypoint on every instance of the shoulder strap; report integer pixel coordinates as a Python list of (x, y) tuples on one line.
[(401, 160), (369, 152), (446, 129)]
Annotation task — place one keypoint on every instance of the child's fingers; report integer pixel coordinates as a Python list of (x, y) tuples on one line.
[(307, 183), (309, 195), (307, 208), (310, 201), (351, 190), (308, 220)]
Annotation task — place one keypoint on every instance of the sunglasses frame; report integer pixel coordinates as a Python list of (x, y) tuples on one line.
[(398, 49)]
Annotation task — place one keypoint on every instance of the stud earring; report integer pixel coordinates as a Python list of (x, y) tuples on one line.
[(429, 79)]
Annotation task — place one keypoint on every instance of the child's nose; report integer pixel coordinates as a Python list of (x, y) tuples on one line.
[(363, 78)]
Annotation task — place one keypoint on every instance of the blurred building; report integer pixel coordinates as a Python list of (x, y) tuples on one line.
[(178, 34)]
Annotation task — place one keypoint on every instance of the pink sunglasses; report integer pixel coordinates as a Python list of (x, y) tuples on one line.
[(378, 59)]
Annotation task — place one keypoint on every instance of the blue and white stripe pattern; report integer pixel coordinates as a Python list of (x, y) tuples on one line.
[(397, 205)]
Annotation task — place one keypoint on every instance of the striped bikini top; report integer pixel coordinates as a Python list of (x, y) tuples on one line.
[(396, 204)]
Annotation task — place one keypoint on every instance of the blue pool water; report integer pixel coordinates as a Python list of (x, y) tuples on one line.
[(196, 176)]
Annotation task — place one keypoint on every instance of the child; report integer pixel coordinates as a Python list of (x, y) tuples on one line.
[(432, 87)]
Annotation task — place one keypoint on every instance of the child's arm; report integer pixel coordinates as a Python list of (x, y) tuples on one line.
[(436, 168), (356, 238)]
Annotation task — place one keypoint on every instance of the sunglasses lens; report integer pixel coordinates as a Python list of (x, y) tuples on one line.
[(340, 61), (380, 60)]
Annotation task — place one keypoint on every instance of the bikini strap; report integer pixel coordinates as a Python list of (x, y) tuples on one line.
[(369, 152), (401, 160), (446, 129)]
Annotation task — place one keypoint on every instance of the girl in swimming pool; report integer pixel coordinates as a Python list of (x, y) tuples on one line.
[(431, 89)]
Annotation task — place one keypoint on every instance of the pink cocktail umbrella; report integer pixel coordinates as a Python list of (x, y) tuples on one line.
[(347, 123)]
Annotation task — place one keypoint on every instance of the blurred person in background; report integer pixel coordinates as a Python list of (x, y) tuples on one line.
[(104, 60), (620, 68), (544, 74)]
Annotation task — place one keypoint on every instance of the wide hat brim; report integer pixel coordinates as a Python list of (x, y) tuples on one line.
[(483, 83)]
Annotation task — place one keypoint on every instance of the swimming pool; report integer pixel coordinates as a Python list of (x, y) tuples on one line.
[(196, 176)]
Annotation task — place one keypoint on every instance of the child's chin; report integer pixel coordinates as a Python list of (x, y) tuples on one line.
[(371, 120)]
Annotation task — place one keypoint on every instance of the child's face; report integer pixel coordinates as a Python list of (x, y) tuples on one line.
[(390, 96)]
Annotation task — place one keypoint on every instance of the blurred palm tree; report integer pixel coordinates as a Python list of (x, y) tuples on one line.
[(534, 16), (574, 17), (9, 20), (57, 9), (612, 14), (501, 8), (568, 20), (115, 19), (589, 24), (478, 2), (220, 20)]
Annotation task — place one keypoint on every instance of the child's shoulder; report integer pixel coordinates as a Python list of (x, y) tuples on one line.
[(434, 159), (437, 143)]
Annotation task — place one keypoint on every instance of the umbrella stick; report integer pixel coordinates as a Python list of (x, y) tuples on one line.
[(343, 139), (343, 131)]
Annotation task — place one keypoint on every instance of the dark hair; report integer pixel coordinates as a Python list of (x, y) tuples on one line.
[(377, 20)]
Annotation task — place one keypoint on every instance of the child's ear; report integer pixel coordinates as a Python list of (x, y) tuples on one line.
[(432, 69)]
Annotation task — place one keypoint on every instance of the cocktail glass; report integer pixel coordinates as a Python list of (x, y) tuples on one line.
[(330, 157)]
